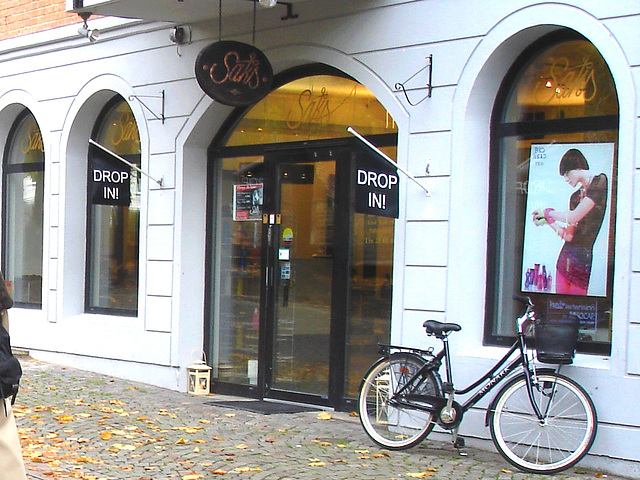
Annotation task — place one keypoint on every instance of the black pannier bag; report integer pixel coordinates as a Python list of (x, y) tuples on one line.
[(556, 338), (10, 369)]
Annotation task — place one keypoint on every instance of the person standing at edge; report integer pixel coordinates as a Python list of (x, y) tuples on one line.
[(11, 461)]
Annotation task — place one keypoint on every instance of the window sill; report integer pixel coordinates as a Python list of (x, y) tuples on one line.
[(582, 360)]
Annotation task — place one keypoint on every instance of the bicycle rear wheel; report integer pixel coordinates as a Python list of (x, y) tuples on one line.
[(554, 443), (389, 424)]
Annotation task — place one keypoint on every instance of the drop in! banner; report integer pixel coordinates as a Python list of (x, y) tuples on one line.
[(109, 178)]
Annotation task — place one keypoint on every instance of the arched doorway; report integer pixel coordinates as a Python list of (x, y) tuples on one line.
[(299, 288)]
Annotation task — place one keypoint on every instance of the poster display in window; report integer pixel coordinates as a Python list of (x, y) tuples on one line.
[(247, 201), (567, 219)]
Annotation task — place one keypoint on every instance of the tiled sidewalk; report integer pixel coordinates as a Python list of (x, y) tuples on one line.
[(77, 424)]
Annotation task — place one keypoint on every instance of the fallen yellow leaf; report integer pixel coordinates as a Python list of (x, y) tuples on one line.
[(64, 418), (324, 416), (191, 476)]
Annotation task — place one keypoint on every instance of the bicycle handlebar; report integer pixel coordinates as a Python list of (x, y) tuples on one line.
[(529, 317), (523, 299)]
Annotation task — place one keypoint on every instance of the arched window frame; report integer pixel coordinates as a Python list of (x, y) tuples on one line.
[(123, 269), (500, 286), (26, 288)]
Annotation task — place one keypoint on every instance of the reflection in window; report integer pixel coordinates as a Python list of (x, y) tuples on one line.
[(22, 225), (237, 255), (562, 100), (113, 230), (313, 108)]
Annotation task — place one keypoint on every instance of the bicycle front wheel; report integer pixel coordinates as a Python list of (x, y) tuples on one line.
[(388, 423), (553, 443)]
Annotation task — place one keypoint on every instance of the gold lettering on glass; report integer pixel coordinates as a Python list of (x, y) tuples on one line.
[(125, 130), (314, 108), (32, 141), (565, 82)]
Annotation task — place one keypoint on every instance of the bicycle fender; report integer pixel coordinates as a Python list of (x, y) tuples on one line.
[(492, 405)]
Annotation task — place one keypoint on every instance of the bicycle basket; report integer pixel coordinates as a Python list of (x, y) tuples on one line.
[(556, 338)]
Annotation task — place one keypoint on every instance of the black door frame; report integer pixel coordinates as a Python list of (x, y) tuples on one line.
[(336, 399), (342, 154)]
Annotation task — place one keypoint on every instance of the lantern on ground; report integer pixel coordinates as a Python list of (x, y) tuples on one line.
[(199, 378)]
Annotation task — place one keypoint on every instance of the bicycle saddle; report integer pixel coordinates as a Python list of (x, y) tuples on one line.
[(439, 329)]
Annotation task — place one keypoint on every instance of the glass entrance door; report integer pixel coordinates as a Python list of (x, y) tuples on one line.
[(301, 274), (301, 290)]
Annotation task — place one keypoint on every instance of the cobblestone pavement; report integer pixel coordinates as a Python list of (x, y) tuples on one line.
[(77, 424)]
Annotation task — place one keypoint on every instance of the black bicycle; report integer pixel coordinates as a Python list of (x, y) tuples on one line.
[(541, 421)]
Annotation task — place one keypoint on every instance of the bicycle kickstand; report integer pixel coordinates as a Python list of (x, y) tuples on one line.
[(458, 442)]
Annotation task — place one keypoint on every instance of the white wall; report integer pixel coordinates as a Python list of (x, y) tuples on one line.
[(440, 240)]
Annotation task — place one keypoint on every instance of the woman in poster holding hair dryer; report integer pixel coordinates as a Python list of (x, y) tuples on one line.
[(579, 225)]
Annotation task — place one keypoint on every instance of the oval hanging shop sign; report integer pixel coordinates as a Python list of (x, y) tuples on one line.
[(234, 73)]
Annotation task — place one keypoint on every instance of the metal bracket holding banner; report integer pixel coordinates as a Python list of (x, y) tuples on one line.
[(401, 86), (161, 97), (126, 162), (385, 157)]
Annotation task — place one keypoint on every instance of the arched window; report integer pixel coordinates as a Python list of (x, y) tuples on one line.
[(553, 190), (23, 174), (113, 225)]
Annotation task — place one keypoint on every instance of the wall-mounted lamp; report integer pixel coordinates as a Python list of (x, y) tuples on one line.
[(85, 31), (273, 3), (180, 34)]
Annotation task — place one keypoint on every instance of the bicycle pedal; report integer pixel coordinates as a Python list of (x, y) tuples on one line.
[(459, 443)]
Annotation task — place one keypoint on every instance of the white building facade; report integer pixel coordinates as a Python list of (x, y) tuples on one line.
[(241, 242)]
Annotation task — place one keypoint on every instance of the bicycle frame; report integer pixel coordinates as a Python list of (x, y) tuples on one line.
[(482, 386)]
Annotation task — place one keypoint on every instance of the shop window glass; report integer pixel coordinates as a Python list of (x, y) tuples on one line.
[(553, 184), (114, 230), (23, 199)]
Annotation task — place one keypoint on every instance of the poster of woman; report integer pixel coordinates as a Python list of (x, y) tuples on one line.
[(566, 235)]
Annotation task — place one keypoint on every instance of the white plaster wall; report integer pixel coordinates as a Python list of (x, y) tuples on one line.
[(440, 240)]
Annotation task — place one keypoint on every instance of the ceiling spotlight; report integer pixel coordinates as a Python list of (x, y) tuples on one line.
[(268, 3), (85, 31)]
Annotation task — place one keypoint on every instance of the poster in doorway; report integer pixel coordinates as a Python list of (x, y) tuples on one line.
[(247, 201), (566, 233)]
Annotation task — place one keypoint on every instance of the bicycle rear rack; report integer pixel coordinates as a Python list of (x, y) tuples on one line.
[(387, 349)]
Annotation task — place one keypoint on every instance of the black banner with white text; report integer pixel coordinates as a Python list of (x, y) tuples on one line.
[(109, 178), (376, 186)]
